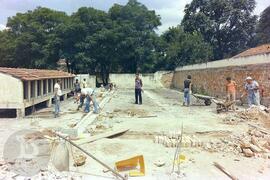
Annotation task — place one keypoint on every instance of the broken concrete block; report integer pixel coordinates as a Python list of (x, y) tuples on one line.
[(254, 141), (79, 160), (255, 148), (267, 146), (248, 153), (244, 144), (258, 134)]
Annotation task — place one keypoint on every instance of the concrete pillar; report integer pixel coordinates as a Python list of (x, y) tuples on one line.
[(47, 92), (41, 88), (65, 97), (29, 90), (36, 89), (20, 113)]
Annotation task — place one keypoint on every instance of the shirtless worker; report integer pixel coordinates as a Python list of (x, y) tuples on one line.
[(231, 91)]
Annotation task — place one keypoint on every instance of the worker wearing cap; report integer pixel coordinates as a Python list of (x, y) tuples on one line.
[(252, 92), (89, 95)]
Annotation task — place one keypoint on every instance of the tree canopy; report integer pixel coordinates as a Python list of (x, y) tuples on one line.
[(124, 39), (228, 25), (263, 28)]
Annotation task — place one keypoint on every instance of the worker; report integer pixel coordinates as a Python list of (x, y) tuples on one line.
[(252, 92), (77, 87), (89, 95), (187, 91), (57, 95), (84, 83), (80, 98), (138, 89), (231, 91)]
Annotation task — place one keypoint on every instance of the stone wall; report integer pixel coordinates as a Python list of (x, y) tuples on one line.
[(210, 78)]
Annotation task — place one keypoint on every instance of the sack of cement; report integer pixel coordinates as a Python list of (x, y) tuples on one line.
[(60, 157)]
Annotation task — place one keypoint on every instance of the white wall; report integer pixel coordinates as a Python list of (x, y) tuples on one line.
[(91, 79), (257, 59), (11, 92), (150, 81)]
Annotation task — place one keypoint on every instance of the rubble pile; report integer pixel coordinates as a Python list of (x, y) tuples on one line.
[(250, 144), (221, 145), (254, 113), (232, 119), (51, 173), (172, 138), (255, 143)]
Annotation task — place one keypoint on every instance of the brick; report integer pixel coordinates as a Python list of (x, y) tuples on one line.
[(248, 153), (255, 148)]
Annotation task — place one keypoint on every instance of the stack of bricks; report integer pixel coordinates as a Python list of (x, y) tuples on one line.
[(172, 139)]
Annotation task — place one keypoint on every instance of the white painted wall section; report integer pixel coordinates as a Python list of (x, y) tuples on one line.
[(11, 92), (249, 60), (90, 79)]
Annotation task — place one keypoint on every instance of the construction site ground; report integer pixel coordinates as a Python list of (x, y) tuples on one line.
[(161, 112)]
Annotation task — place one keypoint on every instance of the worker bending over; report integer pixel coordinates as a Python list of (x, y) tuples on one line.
[(88, 95)]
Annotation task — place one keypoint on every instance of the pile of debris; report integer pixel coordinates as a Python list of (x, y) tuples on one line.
[(221, 145), (254, 113), (232, 119), (172, 138), (253, 143)]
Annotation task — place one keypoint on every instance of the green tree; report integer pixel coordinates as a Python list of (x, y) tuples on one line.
[(7, 46), (185, 48), (136, 36), (228, 25), (263, 29), (36, 45)]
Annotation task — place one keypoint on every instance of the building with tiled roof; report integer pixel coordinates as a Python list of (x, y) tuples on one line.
[(263, 49), (23, 89)]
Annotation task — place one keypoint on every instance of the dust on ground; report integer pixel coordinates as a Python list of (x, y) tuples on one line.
[(237, 140)]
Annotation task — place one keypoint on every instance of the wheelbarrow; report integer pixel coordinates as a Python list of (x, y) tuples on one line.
[(223, 105), (206, 99)]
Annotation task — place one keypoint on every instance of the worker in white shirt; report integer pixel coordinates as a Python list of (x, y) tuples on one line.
[(84, 83), (89, 94), (57, 95)]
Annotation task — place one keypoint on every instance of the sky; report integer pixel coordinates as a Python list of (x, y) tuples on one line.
[(171, 11)]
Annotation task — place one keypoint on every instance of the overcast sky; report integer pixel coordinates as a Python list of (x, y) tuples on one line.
[(171, 11)]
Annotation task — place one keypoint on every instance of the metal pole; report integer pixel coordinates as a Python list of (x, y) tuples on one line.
[(93, 157)]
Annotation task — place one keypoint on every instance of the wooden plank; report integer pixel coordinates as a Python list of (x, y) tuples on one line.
[(221, 168), (103, 135)]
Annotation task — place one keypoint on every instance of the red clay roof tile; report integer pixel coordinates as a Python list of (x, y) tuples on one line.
[(263, 49), (34, 74)]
